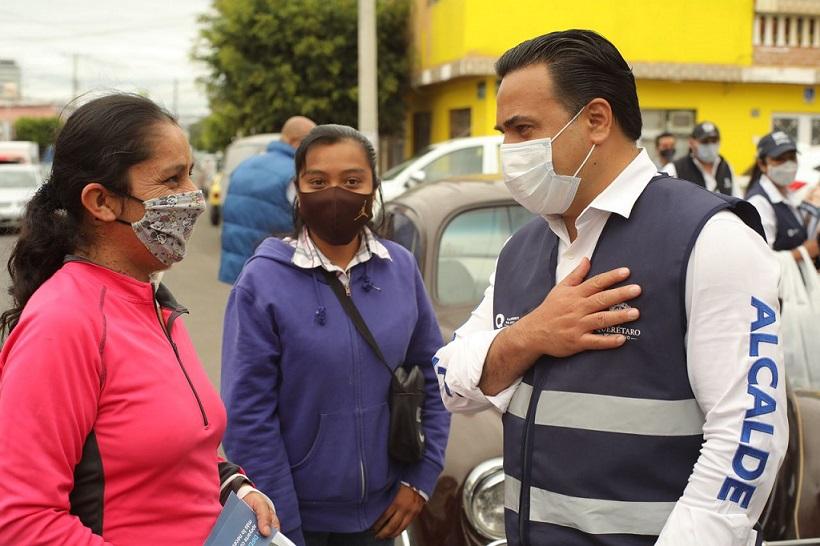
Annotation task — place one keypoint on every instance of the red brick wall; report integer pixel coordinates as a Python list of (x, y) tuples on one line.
[(787, 56)]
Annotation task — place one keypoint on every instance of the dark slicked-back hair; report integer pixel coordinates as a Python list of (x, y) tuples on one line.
[(584, 66)]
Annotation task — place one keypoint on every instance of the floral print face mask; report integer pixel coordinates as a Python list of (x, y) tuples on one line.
[(168, 223)]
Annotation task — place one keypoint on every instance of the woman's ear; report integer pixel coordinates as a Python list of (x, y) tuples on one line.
[(99, 202)]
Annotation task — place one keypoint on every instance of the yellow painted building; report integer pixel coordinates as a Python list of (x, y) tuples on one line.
[(747, 65)]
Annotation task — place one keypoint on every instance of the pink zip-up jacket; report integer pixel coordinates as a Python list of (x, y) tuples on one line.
[(109, 426)]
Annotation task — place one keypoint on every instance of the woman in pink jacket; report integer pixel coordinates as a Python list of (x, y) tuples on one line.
[(109, 427)]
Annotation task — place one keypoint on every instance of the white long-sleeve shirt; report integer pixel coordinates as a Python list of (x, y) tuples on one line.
[(708, 177), (729, 265)]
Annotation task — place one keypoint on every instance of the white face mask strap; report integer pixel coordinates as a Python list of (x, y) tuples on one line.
[(568, 123), (584, 162)]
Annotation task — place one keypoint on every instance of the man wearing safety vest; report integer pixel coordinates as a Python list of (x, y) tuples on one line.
[(630, 332)]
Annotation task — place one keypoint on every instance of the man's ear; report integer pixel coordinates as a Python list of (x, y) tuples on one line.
[(99, 202), (600, 119)]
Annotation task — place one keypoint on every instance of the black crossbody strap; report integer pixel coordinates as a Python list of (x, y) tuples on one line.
[(353, 313)]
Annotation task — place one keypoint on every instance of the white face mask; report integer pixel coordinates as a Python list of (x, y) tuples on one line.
[(531, 177), (783, 174), (708, 153)]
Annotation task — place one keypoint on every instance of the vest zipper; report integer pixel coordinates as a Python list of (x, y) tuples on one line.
[(181, 365)]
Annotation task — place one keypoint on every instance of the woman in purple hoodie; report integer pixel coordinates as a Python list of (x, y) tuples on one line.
[(307, 398)]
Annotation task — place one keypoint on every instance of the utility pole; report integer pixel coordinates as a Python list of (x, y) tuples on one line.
[(368, 90)]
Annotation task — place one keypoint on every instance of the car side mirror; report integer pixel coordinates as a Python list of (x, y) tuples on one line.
[(417, 177)]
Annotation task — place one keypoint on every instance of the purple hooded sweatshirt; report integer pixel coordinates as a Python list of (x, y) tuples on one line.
[(307, 398)]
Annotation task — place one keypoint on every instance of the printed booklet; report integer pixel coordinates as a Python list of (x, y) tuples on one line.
[(236, 526)]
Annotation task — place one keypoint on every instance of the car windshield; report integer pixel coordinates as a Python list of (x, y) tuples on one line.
[(395, 171), (18, 179)]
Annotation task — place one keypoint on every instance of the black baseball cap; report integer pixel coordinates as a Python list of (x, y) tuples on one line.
[(775, 144), (705, 129)]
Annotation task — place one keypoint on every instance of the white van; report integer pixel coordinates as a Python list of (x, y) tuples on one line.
[(19, 151), (457, 157), (237, 151)]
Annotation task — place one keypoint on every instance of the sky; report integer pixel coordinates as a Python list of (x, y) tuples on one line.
[(129, 45)]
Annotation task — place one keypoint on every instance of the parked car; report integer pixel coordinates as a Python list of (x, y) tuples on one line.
[(808, 172), (237, 151), (455, 229), (457, 157), (19, 151), (18, 183)]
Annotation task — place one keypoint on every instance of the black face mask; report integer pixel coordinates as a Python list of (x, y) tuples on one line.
[(334, 214), (668, 154)]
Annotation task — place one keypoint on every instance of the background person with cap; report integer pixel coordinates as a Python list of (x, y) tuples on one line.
[(774, 171), (704, 165)]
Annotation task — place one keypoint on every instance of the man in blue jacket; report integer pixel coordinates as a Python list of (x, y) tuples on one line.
[(258, 203)]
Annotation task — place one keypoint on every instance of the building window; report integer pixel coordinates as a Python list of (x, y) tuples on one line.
[(678, 122), (460, 123), (422, 130), (788, 125), (481, 90), (804, 129)]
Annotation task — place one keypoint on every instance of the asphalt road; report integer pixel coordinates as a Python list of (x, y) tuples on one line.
[(193, 282)]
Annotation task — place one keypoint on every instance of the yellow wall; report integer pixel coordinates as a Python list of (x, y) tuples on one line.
[(679, 31), (731, 106), (456, 94), (693, 31)]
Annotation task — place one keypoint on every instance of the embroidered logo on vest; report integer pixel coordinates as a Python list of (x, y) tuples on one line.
[(631, 334), (501, 321)]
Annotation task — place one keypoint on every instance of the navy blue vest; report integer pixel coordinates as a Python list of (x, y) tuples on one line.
[(583, 434), (687, 170), (790, 232)]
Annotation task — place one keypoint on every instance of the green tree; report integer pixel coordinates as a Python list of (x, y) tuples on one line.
[(271, 59), (43, 131)]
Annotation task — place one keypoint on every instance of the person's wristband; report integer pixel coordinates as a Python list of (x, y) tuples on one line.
[(418, 491)]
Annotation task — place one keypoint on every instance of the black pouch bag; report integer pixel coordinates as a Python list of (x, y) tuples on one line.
[(406, 442)]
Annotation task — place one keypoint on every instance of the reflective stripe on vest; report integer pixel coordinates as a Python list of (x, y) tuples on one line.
[(592, 516), (611, 413)]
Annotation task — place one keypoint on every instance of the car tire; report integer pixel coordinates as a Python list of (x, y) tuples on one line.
[(215, 215)]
